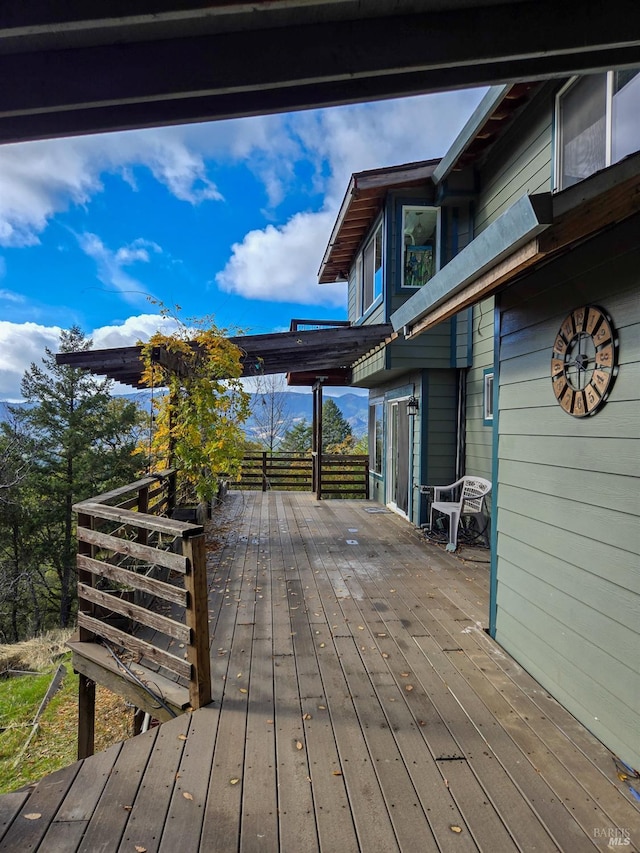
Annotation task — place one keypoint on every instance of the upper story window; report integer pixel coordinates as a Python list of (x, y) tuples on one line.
[(598, 123), (420, 244), (367, 272)]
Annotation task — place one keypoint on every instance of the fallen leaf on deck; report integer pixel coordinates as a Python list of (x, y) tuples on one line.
[(243, 690), (298, 745), (322, 645), (322, 707), (182, 737), (187, 795), (233, 781), (337, 772), (381, 635), (33, 816), (360, 627), (392, 590), (408, 687), (456, 829), (306, 717), (140, 849), (127, 808), (404, 674)]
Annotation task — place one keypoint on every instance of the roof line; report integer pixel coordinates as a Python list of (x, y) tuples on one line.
[(475, 122)]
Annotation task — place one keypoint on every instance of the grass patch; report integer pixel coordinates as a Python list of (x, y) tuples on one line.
[(55, 742)]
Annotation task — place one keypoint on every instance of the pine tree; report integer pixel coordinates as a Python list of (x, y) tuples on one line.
[(337, 436), (298, 438), (82, 442)]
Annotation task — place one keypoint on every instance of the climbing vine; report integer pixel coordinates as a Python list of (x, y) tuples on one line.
[(197, 421)]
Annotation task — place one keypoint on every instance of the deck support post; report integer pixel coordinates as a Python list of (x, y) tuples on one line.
[(86, 715), (197, 616), (316, 446)]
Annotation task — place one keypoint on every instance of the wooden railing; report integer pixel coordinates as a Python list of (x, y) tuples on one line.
[(340, 475), (142, 595), (284, 471)]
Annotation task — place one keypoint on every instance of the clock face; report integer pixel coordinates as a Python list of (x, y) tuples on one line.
[(583, 364)]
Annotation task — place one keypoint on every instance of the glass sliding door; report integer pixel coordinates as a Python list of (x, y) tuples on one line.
[(398, 464)]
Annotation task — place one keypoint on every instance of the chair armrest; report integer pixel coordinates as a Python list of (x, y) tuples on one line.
[(438, 490)]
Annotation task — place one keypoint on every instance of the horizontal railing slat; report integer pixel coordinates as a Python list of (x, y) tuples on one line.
[(135, 612), (133, 644), (153, 586), (137, 519), (133, 549)]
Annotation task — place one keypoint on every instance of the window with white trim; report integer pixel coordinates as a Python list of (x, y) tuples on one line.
[(597, 124), (420, 244)]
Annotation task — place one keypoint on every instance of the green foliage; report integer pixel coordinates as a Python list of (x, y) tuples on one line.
[(71, 441), (298, 438), (198, 422)]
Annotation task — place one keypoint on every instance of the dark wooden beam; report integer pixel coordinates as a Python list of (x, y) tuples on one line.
[(112, 77)]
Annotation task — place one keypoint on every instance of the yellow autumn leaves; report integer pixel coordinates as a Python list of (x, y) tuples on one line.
[(197, 423)]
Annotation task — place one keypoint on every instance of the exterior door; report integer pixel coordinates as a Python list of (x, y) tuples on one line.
[(398, 478)]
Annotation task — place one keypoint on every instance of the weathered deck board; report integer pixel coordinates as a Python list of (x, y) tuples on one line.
[(359, 705)]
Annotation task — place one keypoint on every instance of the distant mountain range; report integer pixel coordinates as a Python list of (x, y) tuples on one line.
[(295, 407)]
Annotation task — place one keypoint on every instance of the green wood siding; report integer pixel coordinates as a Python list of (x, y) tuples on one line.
[(479, 436), (439, 408), (519, 163), (568, 542)]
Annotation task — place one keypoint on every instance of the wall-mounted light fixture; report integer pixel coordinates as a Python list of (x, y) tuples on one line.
[(413, 405)]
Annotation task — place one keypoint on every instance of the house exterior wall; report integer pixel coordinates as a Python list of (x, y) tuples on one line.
[(519, 163), (433, 435), (478, 444), (568, 586)]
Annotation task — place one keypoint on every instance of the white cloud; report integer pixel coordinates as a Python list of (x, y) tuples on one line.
[(40, 179), (110, 264), (22, 344), (131, 330), (281, 264), (9, 295)]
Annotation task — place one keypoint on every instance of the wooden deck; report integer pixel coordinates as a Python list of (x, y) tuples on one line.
[(359, 705)]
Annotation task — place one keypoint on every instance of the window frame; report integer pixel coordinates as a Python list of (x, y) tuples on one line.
[(358, 272), (410, 206), (608, 121), (488, 378)]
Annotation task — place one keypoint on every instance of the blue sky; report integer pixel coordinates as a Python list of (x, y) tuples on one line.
[(227, 218)]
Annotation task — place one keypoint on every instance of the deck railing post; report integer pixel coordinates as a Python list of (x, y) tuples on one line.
[(197, 615), (171, 496), (143, 507), (86, 716), (264, 470), (366, 480)]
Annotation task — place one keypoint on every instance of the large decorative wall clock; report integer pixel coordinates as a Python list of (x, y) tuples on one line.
[(583, 364)]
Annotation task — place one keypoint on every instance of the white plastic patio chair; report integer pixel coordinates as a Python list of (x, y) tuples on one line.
[(472, 494)]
